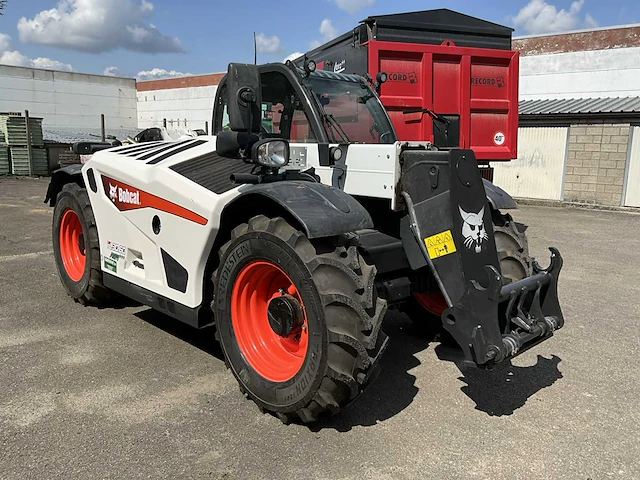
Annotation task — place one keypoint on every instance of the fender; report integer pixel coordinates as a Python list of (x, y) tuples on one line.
[(322, 211), (59, 178), (497, 197)]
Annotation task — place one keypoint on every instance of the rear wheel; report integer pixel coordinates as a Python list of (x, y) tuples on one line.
[(512, 246), (299, 322), (76, 247)]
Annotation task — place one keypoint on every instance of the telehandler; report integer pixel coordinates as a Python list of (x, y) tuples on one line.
[(293, 228)]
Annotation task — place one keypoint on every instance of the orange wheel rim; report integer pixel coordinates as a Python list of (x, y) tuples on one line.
[(432, 302), (72, 248), (274, 357)]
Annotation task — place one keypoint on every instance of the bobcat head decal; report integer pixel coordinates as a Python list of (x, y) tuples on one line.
[(473, 229), (113, 192)]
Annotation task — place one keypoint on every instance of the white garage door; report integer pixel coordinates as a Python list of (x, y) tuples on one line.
[(539, 169), (632, 196)]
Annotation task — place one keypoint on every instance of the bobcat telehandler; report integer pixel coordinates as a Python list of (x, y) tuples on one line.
[(293, 228)]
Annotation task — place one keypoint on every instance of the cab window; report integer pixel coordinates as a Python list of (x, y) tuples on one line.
[(282, 112)]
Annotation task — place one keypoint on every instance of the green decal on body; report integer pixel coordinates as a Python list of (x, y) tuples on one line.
[(110, 265), (116, 256)]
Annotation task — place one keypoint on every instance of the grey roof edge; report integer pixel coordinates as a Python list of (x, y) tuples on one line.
[(580, 106)]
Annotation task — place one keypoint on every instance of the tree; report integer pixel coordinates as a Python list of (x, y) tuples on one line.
[(2, 4)]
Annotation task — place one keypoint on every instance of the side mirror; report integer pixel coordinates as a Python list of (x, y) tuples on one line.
[(89, 148), (244, 97), (229, 144), (272, 153), (149, 135)]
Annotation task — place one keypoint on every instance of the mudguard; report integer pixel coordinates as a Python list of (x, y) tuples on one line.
[(62, 176), (322, 211), (497, 197)]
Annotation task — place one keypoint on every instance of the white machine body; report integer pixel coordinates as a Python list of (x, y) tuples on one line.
[(166, 199)]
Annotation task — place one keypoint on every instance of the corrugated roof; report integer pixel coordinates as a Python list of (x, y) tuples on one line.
[(76, 134), (580, 106)]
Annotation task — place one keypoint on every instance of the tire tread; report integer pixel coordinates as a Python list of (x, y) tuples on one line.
[(355, 339), (96, 293)]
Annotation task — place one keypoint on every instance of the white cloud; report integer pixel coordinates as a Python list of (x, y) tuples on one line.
[(49, 64), (158, 73), (19, 60), (590, 22), (292, 57), (113, 72), (352, 6), (98, 26), (15, 58), (328, 31), (266, 44), (5, 42), (538, 16)]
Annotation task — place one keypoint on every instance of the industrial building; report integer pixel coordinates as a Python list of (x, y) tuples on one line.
[(70, 105), (579, 139), (68, 100), (185, 102)]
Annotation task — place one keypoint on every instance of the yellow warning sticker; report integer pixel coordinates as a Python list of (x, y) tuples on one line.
[(440, 244)]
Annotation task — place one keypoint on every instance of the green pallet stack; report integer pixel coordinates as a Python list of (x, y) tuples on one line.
[(13, 132), (5, 168)]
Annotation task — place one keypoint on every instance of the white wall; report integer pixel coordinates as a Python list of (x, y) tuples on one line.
[(538, 172), (597, 73), (632, 187), (192, 104), (65, 99)]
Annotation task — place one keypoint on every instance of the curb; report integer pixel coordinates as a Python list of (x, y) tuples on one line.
[(577, 205)]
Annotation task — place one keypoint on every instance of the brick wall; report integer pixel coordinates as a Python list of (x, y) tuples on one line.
[(596, 160)]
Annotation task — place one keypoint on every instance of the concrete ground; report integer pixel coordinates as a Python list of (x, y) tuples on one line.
[(128, 393)]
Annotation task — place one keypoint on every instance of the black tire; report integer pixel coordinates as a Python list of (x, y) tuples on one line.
[(88, 289), (343, 312), (512, 246)]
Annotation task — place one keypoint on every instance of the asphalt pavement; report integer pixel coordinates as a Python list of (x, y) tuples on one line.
[(127, 393)]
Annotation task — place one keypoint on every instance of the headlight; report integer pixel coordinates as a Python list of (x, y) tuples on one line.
[(272, 153)]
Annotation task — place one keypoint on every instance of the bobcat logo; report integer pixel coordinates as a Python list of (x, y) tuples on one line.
[(113, 192), (473, 229)]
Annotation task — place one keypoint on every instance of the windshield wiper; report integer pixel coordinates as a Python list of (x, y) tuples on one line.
[(330, 119), (337, 125)]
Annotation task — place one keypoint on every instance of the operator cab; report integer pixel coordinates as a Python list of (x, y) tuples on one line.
[(311, 107)]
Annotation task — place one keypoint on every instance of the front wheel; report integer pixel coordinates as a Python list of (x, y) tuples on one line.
[(299, 322), (76, 247)]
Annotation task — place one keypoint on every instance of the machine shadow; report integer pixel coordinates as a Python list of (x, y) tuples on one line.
[(394, 389), (119, 302), (203, 339), (390, 393), (507, 387), (496, 392)]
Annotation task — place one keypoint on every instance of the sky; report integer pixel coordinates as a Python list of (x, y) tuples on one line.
[(151, 39)]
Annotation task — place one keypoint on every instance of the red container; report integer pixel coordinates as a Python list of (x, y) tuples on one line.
[(457, 66), (479, 85)]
